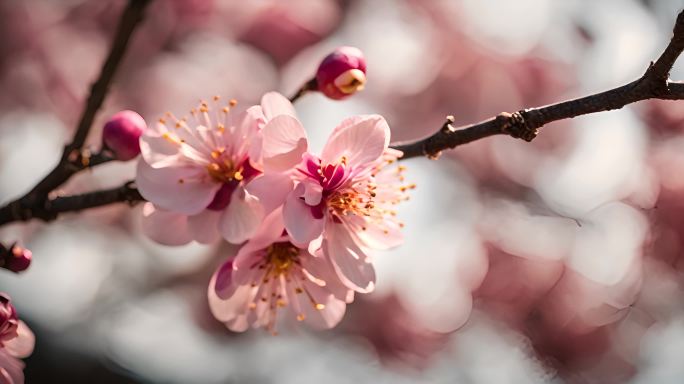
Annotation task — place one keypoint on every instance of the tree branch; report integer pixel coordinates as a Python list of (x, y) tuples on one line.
[(74, 203), (74, 158), (525, 124)]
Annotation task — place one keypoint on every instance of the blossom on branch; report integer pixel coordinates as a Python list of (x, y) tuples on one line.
[(345, 197), (205, 179)]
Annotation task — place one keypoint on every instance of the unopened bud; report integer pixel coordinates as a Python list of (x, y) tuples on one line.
[(342, 73), (16, 259), (121, 134)]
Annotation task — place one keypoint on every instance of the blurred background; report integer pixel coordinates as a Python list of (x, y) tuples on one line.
[(551, 262)]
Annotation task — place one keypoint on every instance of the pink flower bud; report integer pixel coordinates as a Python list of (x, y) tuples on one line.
[(17, 259), (342, 73), (121, 134)]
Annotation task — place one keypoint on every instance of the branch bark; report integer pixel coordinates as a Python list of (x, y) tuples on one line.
[(525, 124), (74, 159)]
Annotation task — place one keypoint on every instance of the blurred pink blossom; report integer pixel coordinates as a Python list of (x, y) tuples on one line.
[(16, 342)]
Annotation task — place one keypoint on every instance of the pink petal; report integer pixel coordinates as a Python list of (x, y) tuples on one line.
[(158, 152), (299, 221), (203, 227), (284, 143), (22, 345), (242, 217), (270, 231), (249, 128), (329, 315), (244, 272), (274, 104), (349, 261), (227, 310), (320, 268), (313, 191), (362, 141), (379, 235), (271, 189), (223, 280), (180, 189), (164, 227), (11, 369)]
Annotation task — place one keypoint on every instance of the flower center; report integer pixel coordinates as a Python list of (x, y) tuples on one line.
[(223, 170), (281, 256), (352, 201)]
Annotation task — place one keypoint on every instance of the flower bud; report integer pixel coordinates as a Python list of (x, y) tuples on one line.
[(16, 259), (342, 73), (121, 134)]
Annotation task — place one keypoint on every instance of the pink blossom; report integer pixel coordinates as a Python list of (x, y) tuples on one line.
[(347, 195), (16, 342), (206, 179), (270, 272)]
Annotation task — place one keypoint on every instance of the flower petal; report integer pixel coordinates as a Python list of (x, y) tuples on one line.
[(271, 189), (362, 141), (241, 218), (164, 227), (299, 221), (321, 269), (327, 310), (349, 261), (376, 234), (22, 345), (274, 104), (232, 308), (270, 231), (203, 227), (284, 143), (158, 151), (11, 369), (313, 191), (180, 189)]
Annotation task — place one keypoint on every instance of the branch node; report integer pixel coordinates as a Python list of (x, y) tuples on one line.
[(448, 125), (515, 125)]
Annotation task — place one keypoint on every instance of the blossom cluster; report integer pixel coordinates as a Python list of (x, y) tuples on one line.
[(308, 222)]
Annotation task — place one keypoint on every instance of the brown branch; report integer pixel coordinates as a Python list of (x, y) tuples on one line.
[(525, 124), (74, 203), (74, 157), (123, 194)]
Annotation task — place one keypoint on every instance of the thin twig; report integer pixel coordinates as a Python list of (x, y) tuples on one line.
[(525, 124), (309, 86), (74, 157)]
